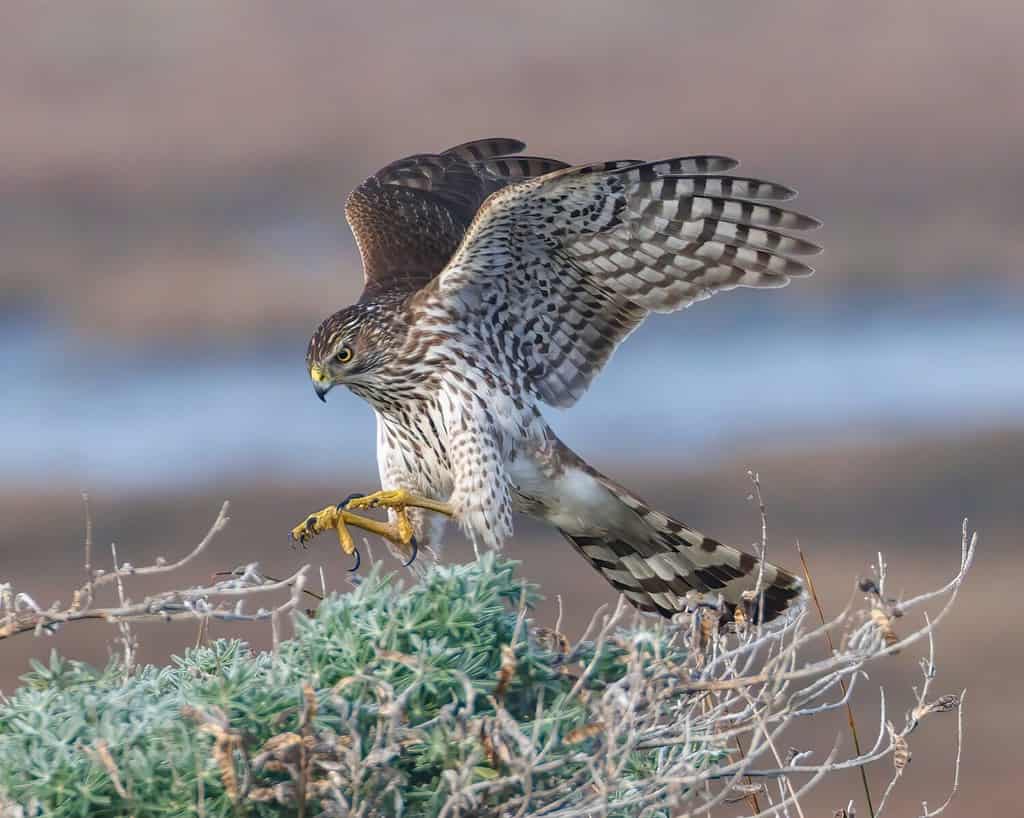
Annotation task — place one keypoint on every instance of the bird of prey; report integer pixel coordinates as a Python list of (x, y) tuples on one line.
[(497, 282)]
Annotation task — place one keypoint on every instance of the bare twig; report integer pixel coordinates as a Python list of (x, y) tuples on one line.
[(23, 615), (850, 720), (86, 600), (925, 812), (755, 478)]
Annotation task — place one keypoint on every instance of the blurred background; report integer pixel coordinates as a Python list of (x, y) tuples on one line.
[(172, 180)]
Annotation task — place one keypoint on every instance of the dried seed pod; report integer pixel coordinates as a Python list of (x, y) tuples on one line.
[(396, 656), (495, 748), (224, 755), (488, 745), (506, 672), (215, 723), (552, 640), (261, 794), (100, 750), (321, 789), (708, 629), (943, 704), (283, 793), (583, 733), (743, 791), (310, 703), (883, 622), (901, 752), (281, 743)]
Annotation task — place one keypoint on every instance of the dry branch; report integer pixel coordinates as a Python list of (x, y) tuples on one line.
[(19, 613)]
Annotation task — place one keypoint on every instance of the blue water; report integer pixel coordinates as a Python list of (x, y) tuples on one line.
[(737, 372)]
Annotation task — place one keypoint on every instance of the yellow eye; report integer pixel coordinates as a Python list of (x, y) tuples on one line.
[(344, 355)]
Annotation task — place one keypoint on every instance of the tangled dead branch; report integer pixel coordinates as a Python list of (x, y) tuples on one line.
[(689, 710), (222, 600)]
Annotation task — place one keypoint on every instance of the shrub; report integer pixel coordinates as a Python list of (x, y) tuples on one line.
[(446, 699)]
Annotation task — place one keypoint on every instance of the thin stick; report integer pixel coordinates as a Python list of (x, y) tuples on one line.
[(201, 633), (752, 796), (276, 580), (21, 614), (842, 682), (925, 813), (162, 567), (123, 625), (88, 550), (755, 478)]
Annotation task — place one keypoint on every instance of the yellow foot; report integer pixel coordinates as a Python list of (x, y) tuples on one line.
[(340, 516)]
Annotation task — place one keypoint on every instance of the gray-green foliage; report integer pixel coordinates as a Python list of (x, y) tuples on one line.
[(436, 647)]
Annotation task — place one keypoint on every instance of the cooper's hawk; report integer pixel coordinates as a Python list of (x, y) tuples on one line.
[(495, 283)]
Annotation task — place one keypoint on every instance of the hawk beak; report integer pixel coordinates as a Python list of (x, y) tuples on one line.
[(320, 384)]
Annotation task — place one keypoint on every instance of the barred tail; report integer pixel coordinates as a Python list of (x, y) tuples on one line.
[(655, 561)]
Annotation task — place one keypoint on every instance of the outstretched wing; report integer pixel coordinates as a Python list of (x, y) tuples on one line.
[(409, 217), (556, 271)]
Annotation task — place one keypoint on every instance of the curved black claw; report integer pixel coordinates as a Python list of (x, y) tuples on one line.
[(415, 550), (359, 560), (344, 503)]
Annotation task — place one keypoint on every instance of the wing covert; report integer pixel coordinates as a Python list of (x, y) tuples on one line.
[(556, 271), (409, 217)]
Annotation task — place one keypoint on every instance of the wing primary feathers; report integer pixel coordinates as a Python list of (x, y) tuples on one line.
[(705, 163), (750, 212), (479, 149), (730, 187), (519, 167)]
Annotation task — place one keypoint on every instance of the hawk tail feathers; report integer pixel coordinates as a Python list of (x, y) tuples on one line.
[(660, 562)]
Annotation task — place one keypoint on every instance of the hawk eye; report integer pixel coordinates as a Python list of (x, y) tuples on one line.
[(344, 355)]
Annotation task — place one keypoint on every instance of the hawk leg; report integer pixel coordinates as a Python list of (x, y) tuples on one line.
[(400, 500), (340, 517)]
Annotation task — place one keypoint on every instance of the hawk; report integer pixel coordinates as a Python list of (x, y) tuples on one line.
[(496, 283)]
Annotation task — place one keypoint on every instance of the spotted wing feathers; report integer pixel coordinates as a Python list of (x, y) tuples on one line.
[(568, 263)]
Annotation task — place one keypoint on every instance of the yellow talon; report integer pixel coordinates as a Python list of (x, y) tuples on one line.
[(401, 533), (326, 518), (345, 541)]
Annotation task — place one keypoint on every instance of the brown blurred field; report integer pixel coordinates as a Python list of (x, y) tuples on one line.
[(203, 150), (172, 177)]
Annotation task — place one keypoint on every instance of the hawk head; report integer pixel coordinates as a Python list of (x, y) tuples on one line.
[(350, 347)]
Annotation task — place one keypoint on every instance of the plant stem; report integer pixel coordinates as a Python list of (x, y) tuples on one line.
[(849, 710)]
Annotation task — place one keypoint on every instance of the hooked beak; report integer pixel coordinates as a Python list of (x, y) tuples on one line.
[(320, 383)]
